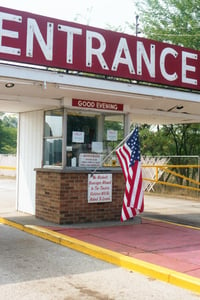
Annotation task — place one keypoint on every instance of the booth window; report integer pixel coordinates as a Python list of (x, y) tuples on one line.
[(81, 139), (91, 137), (82, 132), (53, 138), (113, 135)]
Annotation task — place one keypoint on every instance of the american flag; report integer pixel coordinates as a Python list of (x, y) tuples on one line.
[(129, 158)]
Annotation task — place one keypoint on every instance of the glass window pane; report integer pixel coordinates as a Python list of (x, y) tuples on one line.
[(91, 137), (113, 135), (53, 123), (53, 152), (113, 129), (81, 133)]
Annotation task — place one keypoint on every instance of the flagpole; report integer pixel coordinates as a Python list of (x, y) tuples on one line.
[(109, 154)]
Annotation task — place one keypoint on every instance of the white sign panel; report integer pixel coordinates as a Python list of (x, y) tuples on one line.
[(89, 160), (99, 188), (111, 135), (78, 136), (97, 147)]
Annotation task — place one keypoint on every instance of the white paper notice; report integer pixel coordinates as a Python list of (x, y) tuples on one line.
[(78, 136), (97, 147), (89, 160), (111, 135)]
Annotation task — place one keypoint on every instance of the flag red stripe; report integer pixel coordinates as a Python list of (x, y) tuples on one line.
[(124, 155), (136, 187), (133, 200)]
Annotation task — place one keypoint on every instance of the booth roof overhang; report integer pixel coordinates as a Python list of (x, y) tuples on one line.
[(26, 89), (32, 44)]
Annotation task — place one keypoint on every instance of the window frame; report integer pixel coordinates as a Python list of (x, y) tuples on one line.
[(99, 133)]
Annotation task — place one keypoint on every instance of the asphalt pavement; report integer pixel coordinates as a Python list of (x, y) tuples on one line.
[(33, 268), (163, 243)]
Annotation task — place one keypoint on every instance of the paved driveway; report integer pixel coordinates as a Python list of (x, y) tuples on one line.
[(32, 268)]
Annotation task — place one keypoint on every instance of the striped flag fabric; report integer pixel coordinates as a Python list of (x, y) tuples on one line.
[(129, 158)]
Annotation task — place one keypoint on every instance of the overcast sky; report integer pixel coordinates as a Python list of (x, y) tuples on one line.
[(97, 13)]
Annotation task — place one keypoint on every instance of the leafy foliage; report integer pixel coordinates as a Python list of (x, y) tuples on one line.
[(171, 21), (168, 140), (8, 135), (176, 22)]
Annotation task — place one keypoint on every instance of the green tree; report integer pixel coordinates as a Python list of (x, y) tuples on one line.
[(185, 137), (10, 121), (8, 134), (169, 140), (178, 141), (153, 141), (170, 21), (176, 22)]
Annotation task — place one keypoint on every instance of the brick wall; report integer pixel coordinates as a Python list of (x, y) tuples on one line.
[(62, 198)]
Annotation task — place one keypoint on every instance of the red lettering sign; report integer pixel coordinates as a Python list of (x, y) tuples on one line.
[(38, 40), (97, 105)]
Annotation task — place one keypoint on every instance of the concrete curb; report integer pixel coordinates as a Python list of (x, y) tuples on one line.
[(148, 269), (171, 222)]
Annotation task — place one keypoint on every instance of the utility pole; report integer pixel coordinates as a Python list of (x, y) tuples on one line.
[(136, 25)]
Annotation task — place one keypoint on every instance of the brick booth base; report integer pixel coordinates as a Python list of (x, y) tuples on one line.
[(61, 197)]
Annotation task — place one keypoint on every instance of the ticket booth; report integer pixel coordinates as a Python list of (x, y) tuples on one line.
[(77, 90), (80, 180)]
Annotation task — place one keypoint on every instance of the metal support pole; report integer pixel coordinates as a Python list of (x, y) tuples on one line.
[(136, 25)]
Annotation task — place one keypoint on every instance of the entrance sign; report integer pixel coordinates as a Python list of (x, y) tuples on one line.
[(38, 40), (99, 188)]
